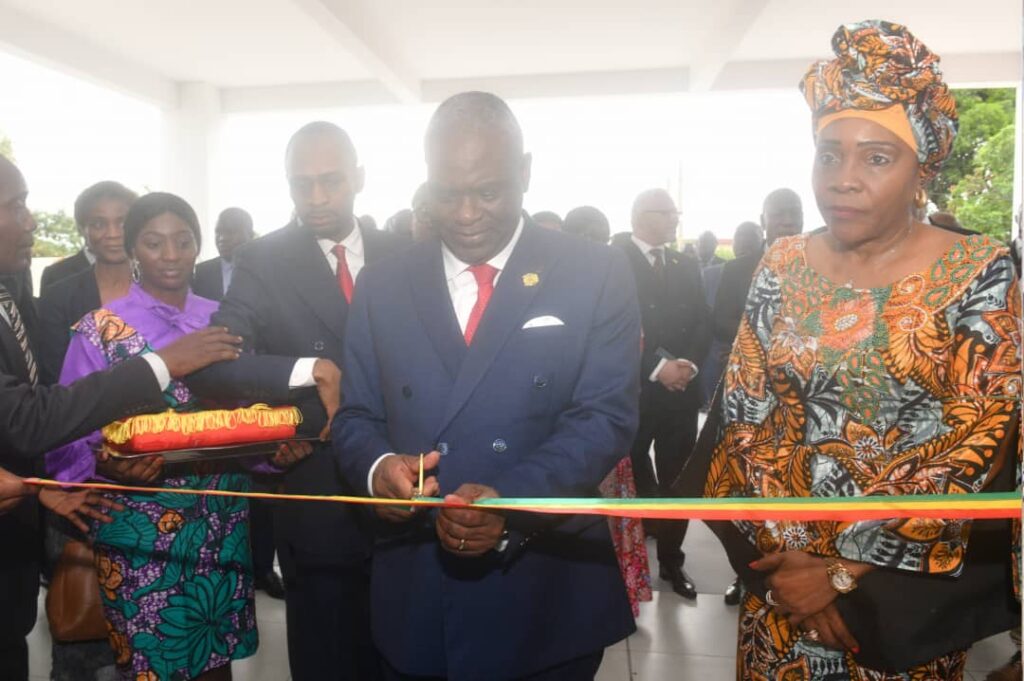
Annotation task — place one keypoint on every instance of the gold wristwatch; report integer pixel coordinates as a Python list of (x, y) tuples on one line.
[(841, 579)]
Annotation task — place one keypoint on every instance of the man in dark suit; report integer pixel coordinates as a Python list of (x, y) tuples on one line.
[(677, 333), (510, 351), (289, 300), (35, 419), (234, 229)]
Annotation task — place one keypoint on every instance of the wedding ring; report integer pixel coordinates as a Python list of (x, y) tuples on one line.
[(812, 634), (769, 598), (462, 544)]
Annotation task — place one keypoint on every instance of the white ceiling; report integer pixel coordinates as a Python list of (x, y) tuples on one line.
[(269, 53)]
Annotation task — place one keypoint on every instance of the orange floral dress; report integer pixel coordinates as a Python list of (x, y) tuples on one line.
[(835, 391)]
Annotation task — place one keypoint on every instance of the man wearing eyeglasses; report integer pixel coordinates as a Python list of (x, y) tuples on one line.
[(676, 334)]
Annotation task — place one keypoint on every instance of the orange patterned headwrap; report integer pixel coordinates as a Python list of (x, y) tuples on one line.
[(880, 65)]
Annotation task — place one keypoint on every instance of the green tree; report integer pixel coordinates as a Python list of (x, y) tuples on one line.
[(976, 184), (983, 200), (56, 235), (6, 148), (983, 114)]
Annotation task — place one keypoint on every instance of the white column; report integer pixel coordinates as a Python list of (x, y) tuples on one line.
[(190, 138), (1018, 160)]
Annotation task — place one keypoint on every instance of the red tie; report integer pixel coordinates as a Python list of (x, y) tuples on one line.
[(344, 275), (484, 275)]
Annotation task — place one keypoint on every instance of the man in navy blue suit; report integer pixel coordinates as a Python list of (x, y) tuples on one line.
[(510, 354)]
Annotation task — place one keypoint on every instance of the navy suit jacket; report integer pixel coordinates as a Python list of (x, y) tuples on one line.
[(285, 302), (532, 412)]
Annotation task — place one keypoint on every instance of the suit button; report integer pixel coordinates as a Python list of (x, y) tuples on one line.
[(318, 346), (499, 445), (540, 381), (406, 391), (442, 448)]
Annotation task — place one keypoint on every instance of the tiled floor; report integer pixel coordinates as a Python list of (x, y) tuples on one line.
[(676, 640)]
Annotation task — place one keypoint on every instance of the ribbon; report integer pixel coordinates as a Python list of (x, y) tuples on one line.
[(982, 505)]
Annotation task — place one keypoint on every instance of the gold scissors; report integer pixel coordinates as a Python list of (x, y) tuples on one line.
[(417, 492)]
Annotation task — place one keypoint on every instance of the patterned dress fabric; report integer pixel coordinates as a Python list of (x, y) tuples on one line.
[(880, 64), (628, 536), (832, 391), (175, 570)]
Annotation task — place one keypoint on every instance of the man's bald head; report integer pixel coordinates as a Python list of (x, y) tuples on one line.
[(477, 174), (475, 112), (318, 132), (747, 239), (324, 177), (782, 214), (655, 217), (16, 222)]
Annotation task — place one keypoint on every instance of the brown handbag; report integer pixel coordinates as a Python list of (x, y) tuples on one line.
[(74, 607)]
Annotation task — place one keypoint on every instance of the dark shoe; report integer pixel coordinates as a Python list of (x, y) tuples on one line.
[(733, 593), (271, 585), (681, 582)]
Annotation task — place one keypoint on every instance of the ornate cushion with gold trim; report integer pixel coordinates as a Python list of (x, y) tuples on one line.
[(172, 430)]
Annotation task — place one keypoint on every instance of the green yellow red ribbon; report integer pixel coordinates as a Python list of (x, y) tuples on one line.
[(983, 505)]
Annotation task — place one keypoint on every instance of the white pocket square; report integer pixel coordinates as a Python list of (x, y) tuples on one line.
[(546, 320)]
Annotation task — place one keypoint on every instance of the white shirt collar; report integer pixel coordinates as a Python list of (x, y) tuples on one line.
[(453, 267), (353, 243), (645, 247)]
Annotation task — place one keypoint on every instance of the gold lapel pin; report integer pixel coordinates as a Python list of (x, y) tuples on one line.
[(531, 279)]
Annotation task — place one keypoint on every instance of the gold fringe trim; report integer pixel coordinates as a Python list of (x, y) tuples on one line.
[(120, 432)]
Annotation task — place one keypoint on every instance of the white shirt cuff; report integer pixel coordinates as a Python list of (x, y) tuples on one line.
[(696, 369), (373, 468), (159, 367), (302, 373), (653, 378)]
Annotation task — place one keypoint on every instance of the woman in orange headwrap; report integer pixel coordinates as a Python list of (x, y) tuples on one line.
[(878, 356)]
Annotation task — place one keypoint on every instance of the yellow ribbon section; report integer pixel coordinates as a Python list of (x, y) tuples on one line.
[(989, 505)]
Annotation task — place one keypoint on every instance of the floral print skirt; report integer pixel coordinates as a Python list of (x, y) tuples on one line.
[(176, 580), (772, 650), (628, 536)]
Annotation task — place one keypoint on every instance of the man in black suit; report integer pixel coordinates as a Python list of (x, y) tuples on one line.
[(289, 299), (35, 419), (676, 335), (234, 230)]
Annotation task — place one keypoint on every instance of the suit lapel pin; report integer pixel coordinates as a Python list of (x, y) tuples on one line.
[(530, 279)]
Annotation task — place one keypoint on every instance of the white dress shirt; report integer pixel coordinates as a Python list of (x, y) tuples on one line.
[(462, 288), (646, 249), (227, 268)]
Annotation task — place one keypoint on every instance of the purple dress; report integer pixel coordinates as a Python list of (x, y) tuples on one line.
[(175, 571)]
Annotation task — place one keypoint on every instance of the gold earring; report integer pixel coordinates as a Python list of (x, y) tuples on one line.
[(920, 198)]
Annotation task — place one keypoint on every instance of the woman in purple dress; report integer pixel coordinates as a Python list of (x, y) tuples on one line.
[(174, 570)]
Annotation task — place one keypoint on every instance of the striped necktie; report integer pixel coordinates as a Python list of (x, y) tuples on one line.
[(14, 318)]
